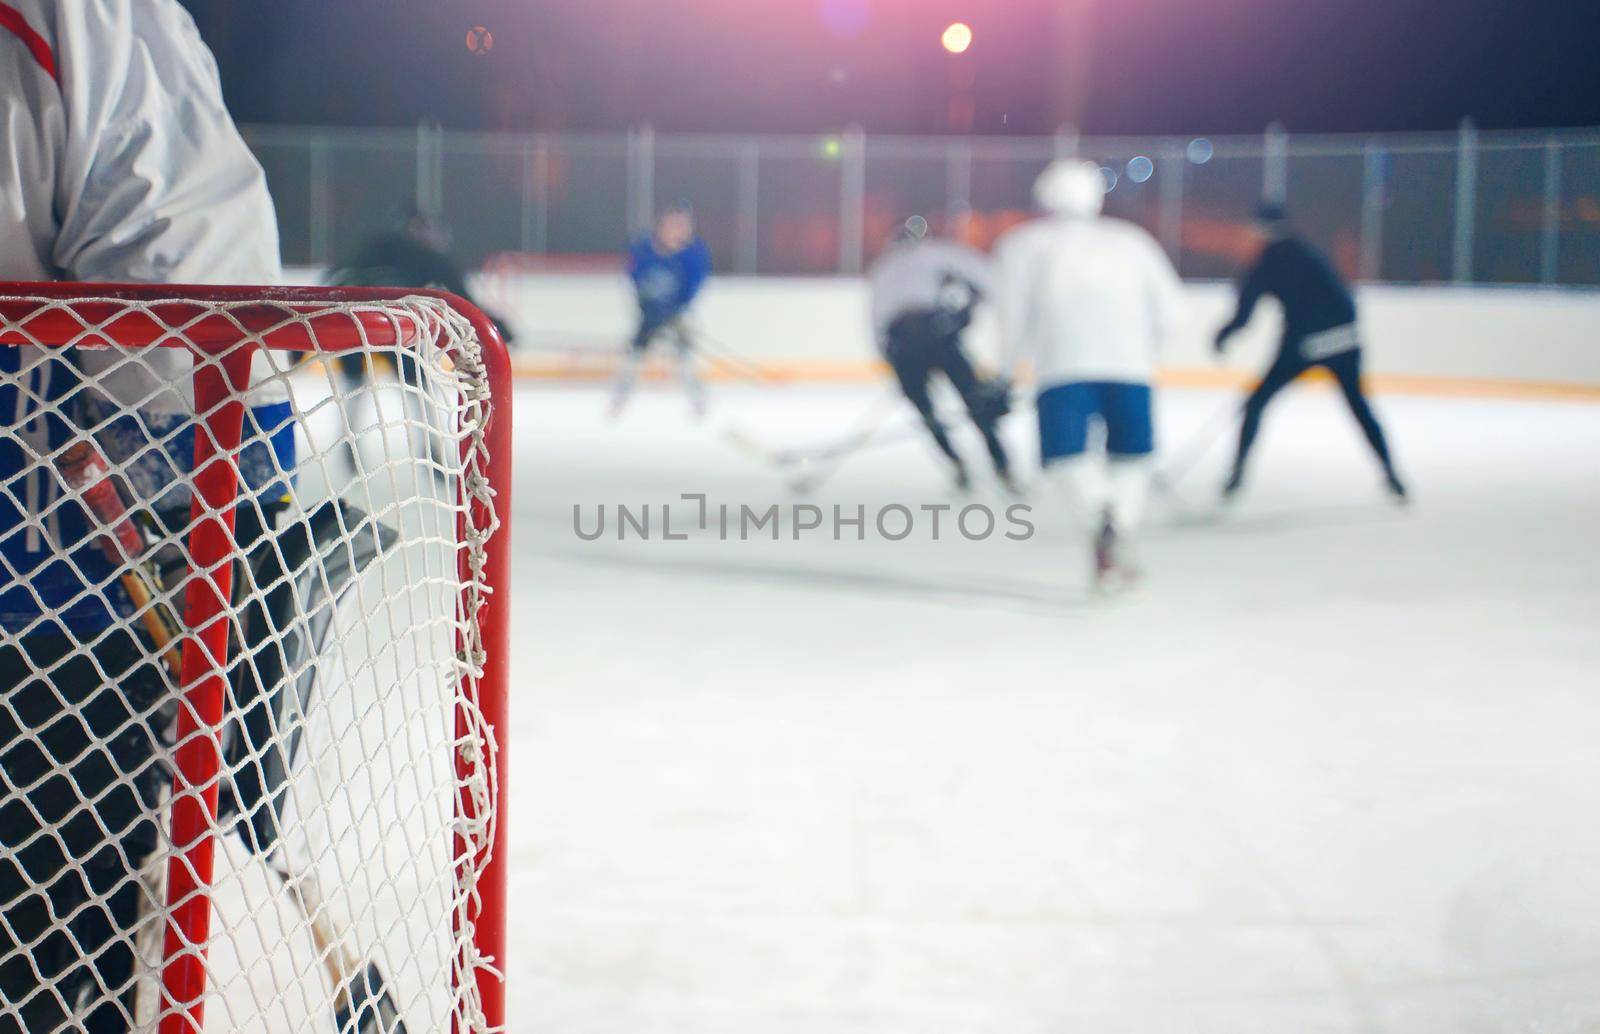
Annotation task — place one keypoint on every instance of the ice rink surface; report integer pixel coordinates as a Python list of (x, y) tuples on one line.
[(1334, 767)]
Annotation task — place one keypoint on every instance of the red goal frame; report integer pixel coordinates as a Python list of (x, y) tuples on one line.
[(99, 315)]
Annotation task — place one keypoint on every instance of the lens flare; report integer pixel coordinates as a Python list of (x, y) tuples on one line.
[(1140, 168), (957, 37)]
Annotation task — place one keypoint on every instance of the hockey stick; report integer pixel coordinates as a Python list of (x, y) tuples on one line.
[(866, 427), (832, 459), (868, 436), (719, 350), (85, 470), (289, 602), (1166, 479), (360, 997), (796, 457), (361, 1002)]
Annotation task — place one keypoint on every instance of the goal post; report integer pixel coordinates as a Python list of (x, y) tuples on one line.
[(285, 624)]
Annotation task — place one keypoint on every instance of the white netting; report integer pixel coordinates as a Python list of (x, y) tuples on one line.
[(357, 769)]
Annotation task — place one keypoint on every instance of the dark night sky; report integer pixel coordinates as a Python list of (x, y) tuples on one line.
[(1157, 66)]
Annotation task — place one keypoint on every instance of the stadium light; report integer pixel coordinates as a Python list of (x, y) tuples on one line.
[(957, 37)]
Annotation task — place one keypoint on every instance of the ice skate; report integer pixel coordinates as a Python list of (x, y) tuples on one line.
[(1113, 570), (697, 402)]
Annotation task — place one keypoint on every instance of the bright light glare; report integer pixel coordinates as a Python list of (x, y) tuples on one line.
[(957, 38)]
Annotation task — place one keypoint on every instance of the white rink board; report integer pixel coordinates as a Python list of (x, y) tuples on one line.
[(1496, 334), (1332, 769)]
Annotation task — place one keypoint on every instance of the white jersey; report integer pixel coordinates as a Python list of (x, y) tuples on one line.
[(913, 275), (1085, 299), (120, 163)]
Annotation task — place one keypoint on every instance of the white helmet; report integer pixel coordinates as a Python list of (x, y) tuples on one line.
[(1071, 187)]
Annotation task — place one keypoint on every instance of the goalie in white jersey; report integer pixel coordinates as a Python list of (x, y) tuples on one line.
[(121, 164), (1088, 301)]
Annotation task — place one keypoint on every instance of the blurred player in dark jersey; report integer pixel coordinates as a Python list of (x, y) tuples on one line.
[(1319, 329), (923, 294), (415, 253)]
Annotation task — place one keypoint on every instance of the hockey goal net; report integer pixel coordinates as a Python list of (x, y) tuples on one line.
[(252, 654)]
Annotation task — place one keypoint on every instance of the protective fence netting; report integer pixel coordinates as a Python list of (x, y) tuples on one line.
[(331, 705)]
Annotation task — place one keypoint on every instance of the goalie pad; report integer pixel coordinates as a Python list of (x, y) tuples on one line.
[(293, 582)]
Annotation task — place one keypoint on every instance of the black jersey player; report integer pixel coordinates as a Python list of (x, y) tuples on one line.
[(1319, 330)]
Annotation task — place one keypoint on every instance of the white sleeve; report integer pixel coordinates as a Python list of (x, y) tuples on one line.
[(1013, 280), (155, 183), (975, 267)]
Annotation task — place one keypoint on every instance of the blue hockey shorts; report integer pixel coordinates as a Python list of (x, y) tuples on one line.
[(1067, 410)]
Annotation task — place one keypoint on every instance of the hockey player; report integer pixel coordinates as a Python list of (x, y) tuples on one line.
[(416, 253), (923, 294), (121, 164), (1319, 329), (1089, 301), (667, 267)]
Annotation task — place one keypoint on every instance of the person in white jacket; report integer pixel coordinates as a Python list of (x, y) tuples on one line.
[(1088, 301), (118, 162), (123, 164)]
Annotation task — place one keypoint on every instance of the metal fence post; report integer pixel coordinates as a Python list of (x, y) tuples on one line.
[(1466, 200), (1275, 165), (319, 211), (1170, 218), (541, 212), (749, 207), (419, 192), (430, 167), (1372, 190), (630, 183), (534, 214), (647, 175), (1067, 140), (1550, 237), (640, 176), (957, 182), (852, 201), (525, 195)]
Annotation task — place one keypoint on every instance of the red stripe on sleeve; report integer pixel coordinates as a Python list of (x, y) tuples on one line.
[(12, 20)]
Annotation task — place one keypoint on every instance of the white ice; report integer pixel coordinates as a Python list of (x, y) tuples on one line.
[(1335, 767)]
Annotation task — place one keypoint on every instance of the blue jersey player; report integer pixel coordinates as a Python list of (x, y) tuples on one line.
[(667, 267)]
